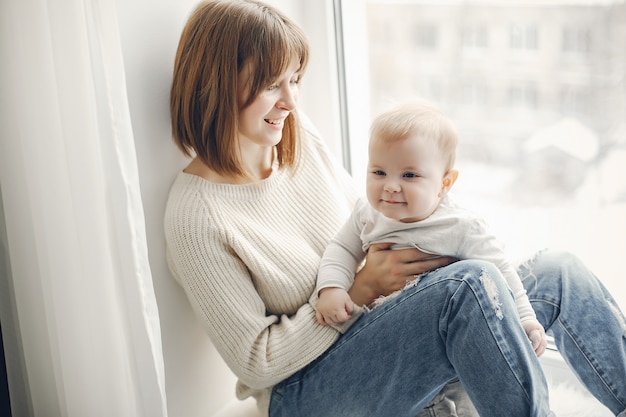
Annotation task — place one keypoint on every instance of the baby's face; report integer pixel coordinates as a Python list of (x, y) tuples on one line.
[(404, 178)]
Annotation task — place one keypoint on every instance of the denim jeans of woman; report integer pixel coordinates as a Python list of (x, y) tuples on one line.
[(451, 401), (460, 321)]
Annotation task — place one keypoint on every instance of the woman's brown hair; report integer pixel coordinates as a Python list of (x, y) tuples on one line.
[(220, 39)]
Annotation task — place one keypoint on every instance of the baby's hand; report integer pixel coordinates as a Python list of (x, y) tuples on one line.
[(537, 335), (334, 306)]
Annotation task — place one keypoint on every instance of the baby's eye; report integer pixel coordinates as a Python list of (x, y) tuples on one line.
[(379, 173), (410, 175)]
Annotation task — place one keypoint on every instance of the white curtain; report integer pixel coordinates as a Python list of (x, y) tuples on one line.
[(78, 305)]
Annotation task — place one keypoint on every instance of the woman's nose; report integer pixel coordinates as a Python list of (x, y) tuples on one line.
[(288, 97)]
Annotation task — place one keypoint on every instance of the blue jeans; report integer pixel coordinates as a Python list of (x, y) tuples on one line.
[(451, 401), (460, 321), (588, 327)]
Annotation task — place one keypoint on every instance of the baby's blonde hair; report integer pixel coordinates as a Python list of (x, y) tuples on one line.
[(417, 119)]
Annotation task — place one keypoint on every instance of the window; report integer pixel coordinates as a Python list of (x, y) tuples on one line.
[(522, 96), (541, 143), (523, 36), (474, 36), (425, 36), (576, 40), (575, 101), (474, 94), (429, 88)]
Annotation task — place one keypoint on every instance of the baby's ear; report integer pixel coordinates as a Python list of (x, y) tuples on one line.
[(448, 181)]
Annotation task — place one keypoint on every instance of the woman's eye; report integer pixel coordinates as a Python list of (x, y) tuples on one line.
[(272, 87)]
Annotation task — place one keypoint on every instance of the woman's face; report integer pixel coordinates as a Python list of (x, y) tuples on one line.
[(261, 123)]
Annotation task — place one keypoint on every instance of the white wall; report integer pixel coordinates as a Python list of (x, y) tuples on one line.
[(197, 381)]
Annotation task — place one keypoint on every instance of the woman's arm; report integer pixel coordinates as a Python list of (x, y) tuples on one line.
[(260, 347), (256, 312), (386, 271)]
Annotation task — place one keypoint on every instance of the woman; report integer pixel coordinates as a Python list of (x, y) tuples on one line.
[(247, 222)]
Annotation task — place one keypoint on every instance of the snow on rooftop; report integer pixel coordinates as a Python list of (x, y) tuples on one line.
[(567, 135)]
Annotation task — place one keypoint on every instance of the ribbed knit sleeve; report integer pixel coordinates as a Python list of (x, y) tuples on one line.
[(247, 257)]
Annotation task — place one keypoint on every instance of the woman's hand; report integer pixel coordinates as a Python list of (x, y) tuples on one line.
[(386, 271)]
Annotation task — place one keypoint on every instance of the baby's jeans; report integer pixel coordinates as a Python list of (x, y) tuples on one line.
[(458, 321)]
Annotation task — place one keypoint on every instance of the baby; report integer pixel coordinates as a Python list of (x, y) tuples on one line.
[(411, 169)]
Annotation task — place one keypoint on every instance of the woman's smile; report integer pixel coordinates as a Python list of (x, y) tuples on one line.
[(276, 123)]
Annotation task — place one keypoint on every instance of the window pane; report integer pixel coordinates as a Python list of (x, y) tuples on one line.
[(537, 92)]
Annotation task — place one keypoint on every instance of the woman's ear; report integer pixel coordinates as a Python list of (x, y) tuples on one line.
[(448, 181)]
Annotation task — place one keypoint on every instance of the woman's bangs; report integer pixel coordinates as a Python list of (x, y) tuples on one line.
[(288, 44), (273, 53)]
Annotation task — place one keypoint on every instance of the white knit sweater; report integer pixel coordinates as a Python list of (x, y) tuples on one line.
[(247, 257)]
